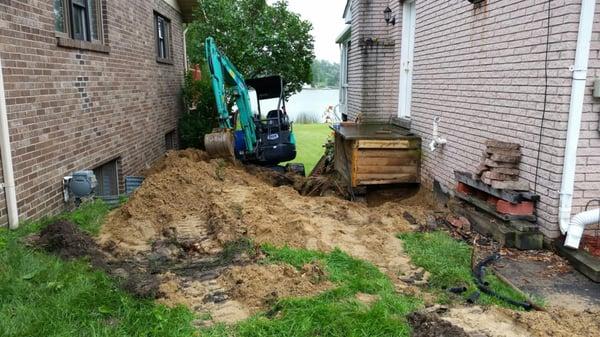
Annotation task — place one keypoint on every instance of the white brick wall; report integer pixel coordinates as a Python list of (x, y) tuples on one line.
[(483, 71)]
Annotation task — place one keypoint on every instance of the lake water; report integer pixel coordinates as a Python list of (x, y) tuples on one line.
[(311, 102)]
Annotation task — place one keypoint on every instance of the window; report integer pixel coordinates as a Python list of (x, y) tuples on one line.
[(171, 141), (107, 177), (79, 19), (162, 27)]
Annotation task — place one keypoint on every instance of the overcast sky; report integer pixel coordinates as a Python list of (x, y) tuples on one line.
[(326, 17)]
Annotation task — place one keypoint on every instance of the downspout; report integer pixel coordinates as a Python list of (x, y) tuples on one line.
[(574, 227), (185, 57), (7, 166)]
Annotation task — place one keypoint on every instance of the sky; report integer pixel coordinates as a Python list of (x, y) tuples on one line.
[(326, 17)]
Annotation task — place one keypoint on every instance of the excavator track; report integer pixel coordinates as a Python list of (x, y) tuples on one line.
[(220, 144)]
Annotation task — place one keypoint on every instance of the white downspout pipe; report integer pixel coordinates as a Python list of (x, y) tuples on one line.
[(567, 225), (185, 56), (7, 166)]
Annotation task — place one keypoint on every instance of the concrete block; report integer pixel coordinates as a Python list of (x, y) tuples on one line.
[(583, 261), (502, 145), (520, 185)]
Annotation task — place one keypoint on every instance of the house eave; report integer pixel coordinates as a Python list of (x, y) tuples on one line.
[(345, 35), (186, 8)]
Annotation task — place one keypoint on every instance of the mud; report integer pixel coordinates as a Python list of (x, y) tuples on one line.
[(431, 325), (66, 240)]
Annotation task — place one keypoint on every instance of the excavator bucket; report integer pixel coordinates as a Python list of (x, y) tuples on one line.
[(220, 144)]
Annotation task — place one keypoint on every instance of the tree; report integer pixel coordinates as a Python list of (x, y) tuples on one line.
[(325, 74), (259, 39)]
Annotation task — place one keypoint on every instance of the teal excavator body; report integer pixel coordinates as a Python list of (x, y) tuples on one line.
[(249, 137)]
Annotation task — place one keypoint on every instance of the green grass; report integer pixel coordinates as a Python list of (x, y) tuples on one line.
[(309, 143), (41, 295), (449, 263), (333, 313)]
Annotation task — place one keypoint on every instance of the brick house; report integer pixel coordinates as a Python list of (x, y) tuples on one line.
[(497, 69), (89, 84)]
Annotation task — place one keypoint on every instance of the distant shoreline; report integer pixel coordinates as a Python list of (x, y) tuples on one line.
[(311, 88)]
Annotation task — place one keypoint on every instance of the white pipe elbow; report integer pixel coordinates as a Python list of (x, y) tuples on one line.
[(577, 226)]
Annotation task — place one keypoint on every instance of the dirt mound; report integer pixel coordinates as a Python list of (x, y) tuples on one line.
[(431, 325), (260, 286), (559, 322), (197, 206), (241, 291), (211, 202), (66, 240)]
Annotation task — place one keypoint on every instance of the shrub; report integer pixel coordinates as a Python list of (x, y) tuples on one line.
[(200, 112)]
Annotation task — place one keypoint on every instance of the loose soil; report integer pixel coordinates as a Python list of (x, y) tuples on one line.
[(431, 325), (182, 238), (66, 240), (192, 207)]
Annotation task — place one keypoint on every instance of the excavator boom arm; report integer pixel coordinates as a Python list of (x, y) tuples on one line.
[(225, 75)]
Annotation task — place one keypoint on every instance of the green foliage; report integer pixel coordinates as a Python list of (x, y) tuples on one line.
[(89, 216), (325, 74), (41, 295), (449, 263), (200, 116), (259, 39), (333, 313)]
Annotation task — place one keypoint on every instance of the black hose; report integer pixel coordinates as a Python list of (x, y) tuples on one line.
[(479, 274)]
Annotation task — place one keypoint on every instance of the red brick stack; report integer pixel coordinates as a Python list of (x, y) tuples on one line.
[(500, 166)]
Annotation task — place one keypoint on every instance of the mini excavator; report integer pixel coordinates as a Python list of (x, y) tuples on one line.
[(243, 135)]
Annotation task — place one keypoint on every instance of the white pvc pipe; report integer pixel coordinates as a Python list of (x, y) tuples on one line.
[(185, 57), (582, 53), (577, 226), (7, 166)]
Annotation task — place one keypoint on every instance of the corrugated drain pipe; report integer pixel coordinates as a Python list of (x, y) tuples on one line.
[(7, 166), (574, 227)]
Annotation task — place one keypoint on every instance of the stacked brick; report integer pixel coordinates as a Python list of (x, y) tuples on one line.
[(499, 167)]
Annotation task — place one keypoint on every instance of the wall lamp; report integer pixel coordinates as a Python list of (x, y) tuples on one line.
[(387, 14)]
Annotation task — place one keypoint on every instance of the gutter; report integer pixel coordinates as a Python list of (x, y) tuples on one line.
[(7, 166), (574, 227)]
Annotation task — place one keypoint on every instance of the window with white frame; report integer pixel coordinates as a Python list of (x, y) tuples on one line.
[(79, 19)]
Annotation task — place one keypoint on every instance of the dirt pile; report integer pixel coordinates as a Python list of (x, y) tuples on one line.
[(190, 209), (559, 322), (238, 292), (66, 240), (211, 202), (260, 286), (431, 325)]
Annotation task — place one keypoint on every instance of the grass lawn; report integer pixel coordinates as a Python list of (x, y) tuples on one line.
[(309, 143), (41, 295), (454, 268), (336, 312)]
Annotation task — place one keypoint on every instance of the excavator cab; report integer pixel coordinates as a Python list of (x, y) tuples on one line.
[(275, 137)]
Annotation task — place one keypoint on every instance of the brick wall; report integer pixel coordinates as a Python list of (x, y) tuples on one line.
[(587, 184), (483, 71), (72, 109), (373, 67)]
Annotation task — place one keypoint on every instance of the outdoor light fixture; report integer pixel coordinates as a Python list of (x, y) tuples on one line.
[(387, 14)]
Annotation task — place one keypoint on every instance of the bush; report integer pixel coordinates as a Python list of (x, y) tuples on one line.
[(200, 114)]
